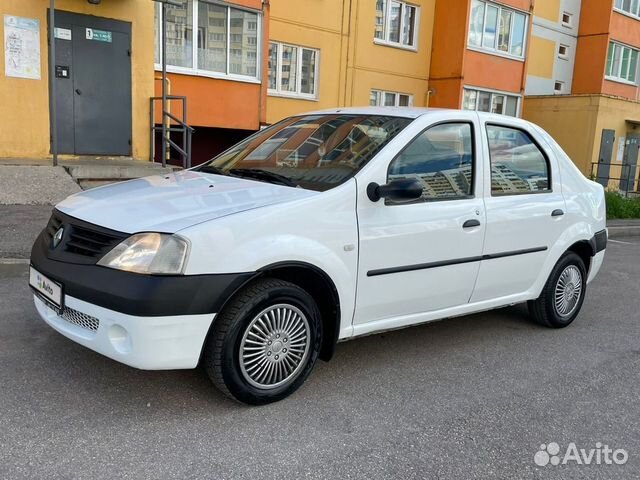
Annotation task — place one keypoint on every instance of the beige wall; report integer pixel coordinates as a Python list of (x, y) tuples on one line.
[(24, 105), (577, 121)]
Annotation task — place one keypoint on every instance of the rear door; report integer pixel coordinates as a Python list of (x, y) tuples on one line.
[(524, 208)]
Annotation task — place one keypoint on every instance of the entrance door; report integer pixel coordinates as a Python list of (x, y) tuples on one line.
[(604, 159), (93, 85), (630, 162)]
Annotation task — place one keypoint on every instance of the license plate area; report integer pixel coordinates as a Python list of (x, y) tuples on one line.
[(48, 290)]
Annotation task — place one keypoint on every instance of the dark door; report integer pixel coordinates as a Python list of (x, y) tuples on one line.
[(93, 70), (604, 159), (629, 163)]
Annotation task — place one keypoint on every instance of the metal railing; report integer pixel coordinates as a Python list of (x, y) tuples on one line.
[(628, 181), (173, 125)]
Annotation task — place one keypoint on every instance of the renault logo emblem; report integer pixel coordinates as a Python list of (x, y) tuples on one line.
[(57, 238)]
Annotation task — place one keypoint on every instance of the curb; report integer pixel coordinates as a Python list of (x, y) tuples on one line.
[(624, 231)]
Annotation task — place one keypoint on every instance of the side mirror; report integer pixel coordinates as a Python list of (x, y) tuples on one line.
[(401, 190)]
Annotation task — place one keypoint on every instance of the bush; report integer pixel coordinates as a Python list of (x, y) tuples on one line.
[(620, 207)]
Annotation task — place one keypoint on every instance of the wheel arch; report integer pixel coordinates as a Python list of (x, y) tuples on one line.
[(585, 250)]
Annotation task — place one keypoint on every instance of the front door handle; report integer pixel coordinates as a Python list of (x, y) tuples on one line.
[(78, 91), (471, 223), (557, 213)]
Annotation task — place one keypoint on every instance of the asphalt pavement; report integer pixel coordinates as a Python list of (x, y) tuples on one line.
[(471, 397)]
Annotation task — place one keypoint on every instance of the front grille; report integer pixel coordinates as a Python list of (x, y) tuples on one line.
[(82, 242), (80, 319)]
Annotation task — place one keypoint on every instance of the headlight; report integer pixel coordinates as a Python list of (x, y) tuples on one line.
[(151, 253)]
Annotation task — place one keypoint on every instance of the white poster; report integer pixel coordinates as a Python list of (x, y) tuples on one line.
[(21, 47), (621, 143)]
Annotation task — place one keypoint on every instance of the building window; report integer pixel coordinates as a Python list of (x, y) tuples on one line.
[(517, 164), (622, 63), (380, 98), (498, 29), (563, 51), (494, 102), (558, 86), (631, 7), (396, 23), (293, 70), (225, 42), (567, 19), (441, 157)]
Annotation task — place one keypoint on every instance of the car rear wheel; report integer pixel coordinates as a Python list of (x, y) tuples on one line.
[(563, 294), (264, 343)]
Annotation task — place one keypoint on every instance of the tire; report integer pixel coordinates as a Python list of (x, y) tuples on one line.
[(569, 271), (246, 354)]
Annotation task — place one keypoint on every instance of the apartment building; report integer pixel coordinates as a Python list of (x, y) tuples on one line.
[(582, 84), (346, 53)]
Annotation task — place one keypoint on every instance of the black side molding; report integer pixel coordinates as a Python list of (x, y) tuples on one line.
[(599, 241), (456, 261)]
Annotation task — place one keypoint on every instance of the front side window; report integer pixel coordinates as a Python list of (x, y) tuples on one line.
[(396, 22), (441, 157), (226, 39), (517, 164), (293, 70), (622, 63), (316, 152), (496, 28), (492, 102), (380, 98)]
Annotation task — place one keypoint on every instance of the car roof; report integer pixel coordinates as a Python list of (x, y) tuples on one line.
[(406, 112)]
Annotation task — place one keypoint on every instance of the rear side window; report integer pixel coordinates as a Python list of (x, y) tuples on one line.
[(517, 164), (442, 158)]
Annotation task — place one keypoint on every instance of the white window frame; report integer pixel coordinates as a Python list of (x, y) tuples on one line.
[(386, 24), (277, 92), (194, 46), (555, 84), (618, 78), (568, 24), (563, 56), (494, 93), (495, 50), (381, 93), (628, 13)]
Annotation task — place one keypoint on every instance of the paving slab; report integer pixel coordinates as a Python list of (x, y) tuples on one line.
[(34, 185)]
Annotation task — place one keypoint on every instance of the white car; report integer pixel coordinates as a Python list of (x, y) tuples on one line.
[(323, 227)]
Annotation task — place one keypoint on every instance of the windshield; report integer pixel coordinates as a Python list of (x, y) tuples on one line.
[(317, 152)]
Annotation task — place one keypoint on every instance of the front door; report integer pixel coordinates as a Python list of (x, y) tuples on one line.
[(422, 256), (629, 163), (93, 85)]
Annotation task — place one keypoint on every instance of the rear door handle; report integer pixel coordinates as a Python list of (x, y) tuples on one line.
[(471, 223), (557, 213), (78, 91)]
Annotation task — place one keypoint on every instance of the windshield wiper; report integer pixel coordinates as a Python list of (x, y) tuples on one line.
[(260, 174), (212, 169)]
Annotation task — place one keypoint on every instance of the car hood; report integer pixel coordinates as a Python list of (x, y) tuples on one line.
[(169, 203)]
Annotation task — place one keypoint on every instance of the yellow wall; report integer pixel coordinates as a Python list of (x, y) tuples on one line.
[(547, 9), (351, 63), (24, 104), (542, 55), (577, 121)]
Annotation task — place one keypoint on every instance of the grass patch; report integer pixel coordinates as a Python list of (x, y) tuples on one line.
[(620, 207)]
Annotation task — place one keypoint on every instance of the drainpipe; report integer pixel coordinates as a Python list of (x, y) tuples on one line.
[(52, 83)]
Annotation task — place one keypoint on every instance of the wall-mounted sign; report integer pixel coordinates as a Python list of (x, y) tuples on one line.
[(98, 35), (21, 47), (62, 33), (621, 143)]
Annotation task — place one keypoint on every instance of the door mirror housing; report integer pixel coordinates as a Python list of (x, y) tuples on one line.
[(400, 190)]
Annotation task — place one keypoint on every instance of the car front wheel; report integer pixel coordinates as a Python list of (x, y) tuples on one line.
[(563, 294), (264, 343)]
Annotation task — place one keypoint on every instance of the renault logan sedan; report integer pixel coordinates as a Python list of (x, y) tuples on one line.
[(323, 227)]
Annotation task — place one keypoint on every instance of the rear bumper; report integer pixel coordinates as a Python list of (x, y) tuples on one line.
[(149, 343)]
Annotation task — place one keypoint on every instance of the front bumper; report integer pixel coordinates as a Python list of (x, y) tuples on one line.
[(149, 343)]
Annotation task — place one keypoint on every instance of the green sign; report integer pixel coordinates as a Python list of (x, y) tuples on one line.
[(98, 35)]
